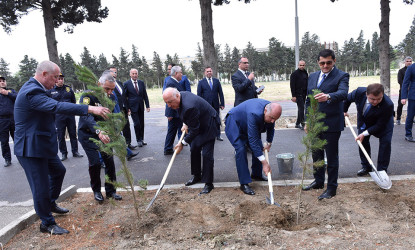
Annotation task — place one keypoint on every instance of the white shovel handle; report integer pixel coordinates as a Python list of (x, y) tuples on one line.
[(271, 191)]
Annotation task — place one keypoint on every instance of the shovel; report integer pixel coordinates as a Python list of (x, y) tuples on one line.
[(380, 177), (165, 175), (270, 200)]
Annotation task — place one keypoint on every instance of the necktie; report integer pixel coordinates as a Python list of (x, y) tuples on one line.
[(119, 89), (322, 79), (135, 86), (247, 74), (210, 83), (367, 109)]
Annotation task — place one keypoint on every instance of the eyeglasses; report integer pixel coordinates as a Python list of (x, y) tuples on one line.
[(328, 63), (245, 62)]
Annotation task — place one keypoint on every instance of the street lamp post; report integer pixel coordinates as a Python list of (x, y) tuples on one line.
[(297, 43)]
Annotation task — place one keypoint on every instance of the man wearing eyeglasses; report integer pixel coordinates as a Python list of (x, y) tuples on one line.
[(334, 86), (298, 84), (243, 83)]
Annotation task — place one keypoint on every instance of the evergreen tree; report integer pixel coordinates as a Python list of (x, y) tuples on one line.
[(407, 46), (70, 76), (236, 55), (27, 69), (157, 66), (252, 54), (124, 66), (227, 62), (219, 56), (89, 61), (102, 63), (136, 60), (309, 49), (198, 65)]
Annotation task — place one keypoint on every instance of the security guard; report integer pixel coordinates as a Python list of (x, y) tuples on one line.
[(64, 93), (86, 130), (7, 98)]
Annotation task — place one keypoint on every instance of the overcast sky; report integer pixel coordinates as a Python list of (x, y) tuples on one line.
[(173, 26)]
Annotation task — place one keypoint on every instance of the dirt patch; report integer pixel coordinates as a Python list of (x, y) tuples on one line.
[(360, 216)]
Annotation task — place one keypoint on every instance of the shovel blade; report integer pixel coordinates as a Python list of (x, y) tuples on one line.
[(382, 179), (269, 201)]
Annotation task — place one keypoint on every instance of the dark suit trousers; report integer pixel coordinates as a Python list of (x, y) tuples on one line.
[(6, 130), (138, 119), (64, 122), (384, 153), (126, 132), (300, 106), (196, 152), (45, 177), (409, 117), (332, 153), (173, 126), (400, 107)]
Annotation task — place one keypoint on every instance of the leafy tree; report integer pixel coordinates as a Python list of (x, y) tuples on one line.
[(309, 49), (55, 13), (252, 54)]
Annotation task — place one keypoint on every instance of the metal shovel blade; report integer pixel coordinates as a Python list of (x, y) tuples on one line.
[(269, 200), (382, 179)]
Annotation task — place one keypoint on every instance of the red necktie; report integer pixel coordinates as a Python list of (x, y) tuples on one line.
[(135, 86)]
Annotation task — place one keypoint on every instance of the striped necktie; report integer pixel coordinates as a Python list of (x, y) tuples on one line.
[(322, 80)]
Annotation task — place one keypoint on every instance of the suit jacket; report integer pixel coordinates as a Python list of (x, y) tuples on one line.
[(35, 134), (249, 116), (172, 83), (298, 83), (379, 119), (132, 100), (408, 85), (245, 89), (337, 85), (200, 117), (184, 82), (120, 96), (214, 95)]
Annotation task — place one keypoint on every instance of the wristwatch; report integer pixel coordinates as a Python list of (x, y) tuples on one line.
[(97, 131), (328, 97)]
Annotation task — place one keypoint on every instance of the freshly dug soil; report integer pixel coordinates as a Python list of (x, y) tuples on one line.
[(361, 216)]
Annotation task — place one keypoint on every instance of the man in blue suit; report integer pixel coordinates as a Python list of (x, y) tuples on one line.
[(209, 88), (202, 122), (374, 117), (334, 86), (244, 125), (408, 93), (184, 82), (135, 95), (36, 145)]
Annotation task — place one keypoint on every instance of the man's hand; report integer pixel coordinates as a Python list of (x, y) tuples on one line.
[(178, 148), (104, 138), (360, 137), (129, 111), (346, 114), (251, 76), (266, 168), (403, 101), (305, 128), (169, 118), (267, 146), (101, 111), (321, 97), (4, 92), (294, 99), (221, 107), (185, 128), (148, 109)]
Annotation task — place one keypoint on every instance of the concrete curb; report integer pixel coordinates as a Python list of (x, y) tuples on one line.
[(28, 219)]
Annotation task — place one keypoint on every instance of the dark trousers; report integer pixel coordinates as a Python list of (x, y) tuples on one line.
[(173, 126), (6, 130), (239, 141), (45, 177), (138, 119), (218, 112), (332, 153), (126, 132), (400, 106), (409, 117), (64, 122), (196, 153), (300, 113), (384, 153)]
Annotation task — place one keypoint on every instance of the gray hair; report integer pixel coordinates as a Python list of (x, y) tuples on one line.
[(408, 58), (46, 66), (134, 70), (175, 69), (174, 91), (268, 108), (106, 76)]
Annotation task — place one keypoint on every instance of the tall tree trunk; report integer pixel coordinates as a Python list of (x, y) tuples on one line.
[(50, 32), (209, 52), (384, 53)]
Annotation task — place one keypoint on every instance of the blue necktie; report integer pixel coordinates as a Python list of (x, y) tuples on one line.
[(322, 79), (364, 115), (210, 83)]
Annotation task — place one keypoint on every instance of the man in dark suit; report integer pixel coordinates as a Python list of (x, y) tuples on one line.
[(334, 86), (7, 99), (243, 83), (244, 125), (298, 85), (174, 122), (401, 74), (184, 82), (408, 93), (126, 132), (374, 117), (135, 95), (202, 122), (209, 88), (36, 145)]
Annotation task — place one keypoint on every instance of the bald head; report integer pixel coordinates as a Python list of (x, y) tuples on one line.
[(47, 73), (272, 112), (171, 97)]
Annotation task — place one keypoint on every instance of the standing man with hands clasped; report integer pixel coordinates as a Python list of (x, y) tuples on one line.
[(243, 83), (401, 75), (334, 86), (408, 93), (298, 84), (7, 99)]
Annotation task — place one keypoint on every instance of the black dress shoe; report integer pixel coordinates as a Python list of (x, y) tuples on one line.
[(144, 143), (129, 157), (58, 210), (208, 187), (77, 155), (219, 138), (131, 146), (64, 157), (195, 179), (327, 194), (7, 163), (53, 229), (363, 172), (140, 144), (98, 196), (115, 196), (313, 185), (259, 178), (247, 189), (409, 138), (168, 152)]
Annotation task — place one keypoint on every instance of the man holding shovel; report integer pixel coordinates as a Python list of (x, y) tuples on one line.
[(374, 117)]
